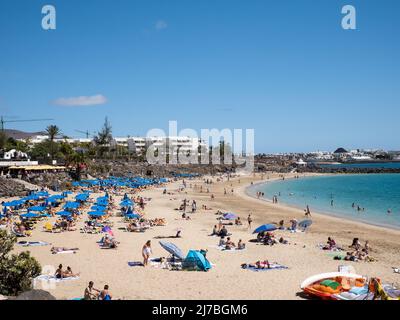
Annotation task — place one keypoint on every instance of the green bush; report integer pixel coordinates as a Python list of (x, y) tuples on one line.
[(16, 270)]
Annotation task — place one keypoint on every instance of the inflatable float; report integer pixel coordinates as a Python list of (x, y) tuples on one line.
[(348, 286)]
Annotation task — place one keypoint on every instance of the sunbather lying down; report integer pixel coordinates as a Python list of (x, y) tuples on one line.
[(55, 250), (258, 265), (108, 242)]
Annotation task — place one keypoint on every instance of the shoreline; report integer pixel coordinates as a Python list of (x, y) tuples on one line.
[(318, 212)]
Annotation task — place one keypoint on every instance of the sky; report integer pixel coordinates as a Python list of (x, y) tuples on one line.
[(286, 69)]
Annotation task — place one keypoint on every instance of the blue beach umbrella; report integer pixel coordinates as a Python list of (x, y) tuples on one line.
[(96, 213), (98, 208), (14, 203), (172, 249), (132, 216), (229, 216), (266, 228), (29, 215), (71, 205), (126, 203), (37, 209)]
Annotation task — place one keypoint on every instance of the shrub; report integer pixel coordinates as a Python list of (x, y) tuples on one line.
[(16, 270)]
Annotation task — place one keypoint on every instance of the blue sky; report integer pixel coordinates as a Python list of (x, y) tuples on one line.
[(285, 68)]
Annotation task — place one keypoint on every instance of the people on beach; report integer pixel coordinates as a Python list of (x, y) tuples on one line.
[(146, 252), (293, 225), (249, 221), (105, 294), (60, 274), (91, 293), (229, 244), (238, 222), (307, 211)]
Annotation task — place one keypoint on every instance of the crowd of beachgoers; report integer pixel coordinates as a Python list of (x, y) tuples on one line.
[(103, 208)]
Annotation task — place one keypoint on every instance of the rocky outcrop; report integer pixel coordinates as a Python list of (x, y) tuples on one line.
[(11, 188), (317, 169), (121, 168)]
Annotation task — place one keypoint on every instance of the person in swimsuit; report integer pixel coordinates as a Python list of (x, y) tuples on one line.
[(69, 274), (91, 293), (59, 272), (105, 294), (146, 251)]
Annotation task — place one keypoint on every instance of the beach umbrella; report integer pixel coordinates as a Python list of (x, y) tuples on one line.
[(29, 215), (106, 229), (132, 216), (126, 203), (96, 213), (266, 228), (82, 197), (14, 203), (305, 224), (37, 209), (71, 205), (172, 249), (98, 208), (64, 213), (229, 216)]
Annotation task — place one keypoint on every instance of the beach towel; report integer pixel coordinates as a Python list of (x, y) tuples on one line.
[(33, 243), (273, 266), (222, 248), (135, 264), (48, 278), (322, 247), (64, 251)]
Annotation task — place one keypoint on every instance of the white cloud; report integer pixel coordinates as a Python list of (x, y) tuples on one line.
[(81, 101), (160, 25)]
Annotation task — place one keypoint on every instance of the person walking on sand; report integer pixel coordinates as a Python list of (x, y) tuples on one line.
[(146, 252), (308, 212), (249, 220)]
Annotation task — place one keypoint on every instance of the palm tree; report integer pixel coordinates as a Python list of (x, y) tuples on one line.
[(78, 160), (52, 131)]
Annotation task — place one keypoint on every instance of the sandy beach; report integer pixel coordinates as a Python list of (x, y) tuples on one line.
[(226, 280)]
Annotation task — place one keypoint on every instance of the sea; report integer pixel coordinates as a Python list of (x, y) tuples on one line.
[(376, 195)]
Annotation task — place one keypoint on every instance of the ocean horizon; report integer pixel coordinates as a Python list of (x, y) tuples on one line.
[(359, 197)]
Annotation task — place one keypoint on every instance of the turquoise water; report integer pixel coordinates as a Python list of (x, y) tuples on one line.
[(376, 193), (372, 165)]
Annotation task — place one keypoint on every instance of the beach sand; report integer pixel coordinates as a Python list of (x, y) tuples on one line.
[(226, 280)]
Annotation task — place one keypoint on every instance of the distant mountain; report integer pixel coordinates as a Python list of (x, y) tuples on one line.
[(16, 134)]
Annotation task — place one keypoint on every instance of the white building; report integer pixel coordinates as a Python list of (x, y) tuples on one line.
[(139, 144), (14, 154)]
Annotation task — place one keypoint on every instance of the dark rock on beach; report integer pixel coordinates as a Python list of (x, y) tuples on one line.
[(11, 188)]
